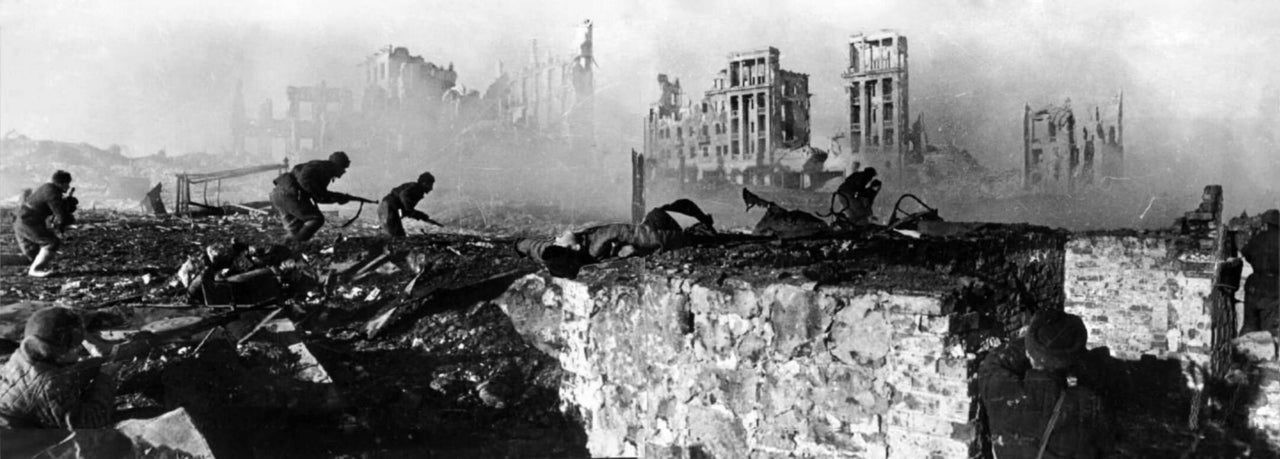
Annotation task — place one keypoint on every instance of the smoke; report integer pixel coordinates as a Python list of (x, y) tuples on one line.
[(1202, 100)]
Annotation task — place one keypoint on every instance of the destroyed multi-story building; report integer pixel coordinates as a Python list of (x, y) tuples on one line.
[(1061, 155), (879, 131), (412, 105), (403, 98), (738, 129), (552, 94), (316, 120)]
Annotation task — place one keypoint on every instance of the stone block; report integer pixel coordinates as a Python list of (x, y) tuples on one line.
[(860, 335)]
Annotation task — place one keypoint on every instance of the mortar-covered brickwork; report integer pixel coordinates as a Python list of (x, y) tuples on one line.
[(1141, 294), (665, 367), (860, 348), (1264, 412)]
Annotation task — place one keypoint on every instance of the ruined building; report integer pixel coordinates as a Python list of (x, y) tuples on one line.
[(878, 112), (551, 94), (316, 120), (1061, 155), (736, 132), (411, 105), (403, 98)]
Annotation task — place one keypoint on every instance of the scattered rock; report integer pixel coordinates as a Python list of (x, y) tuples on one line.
[(72, 286), (1259, 346)]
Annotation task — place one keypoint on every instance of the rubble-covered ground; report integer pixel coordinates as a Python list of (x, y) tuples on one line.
[(443, 377), (452, 382)]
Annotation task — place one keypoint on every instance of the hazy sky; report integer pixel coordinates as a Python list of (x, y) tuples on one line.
[(160, 74)]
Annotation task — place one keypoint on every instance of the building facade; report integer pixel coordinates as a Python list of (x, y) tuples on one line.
[(878, 89), (413, 106), (735, 132), (317, 119), (551, 94), (1062, 155)]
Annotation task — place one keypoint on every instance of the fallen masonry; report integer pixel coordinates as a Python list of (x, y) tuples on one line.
[(857, 345)]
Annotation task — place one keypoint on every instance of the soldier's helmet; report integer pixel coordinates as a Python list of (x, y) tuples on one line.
[(62, 177), (1056, 339), (53, 331), (341, 159), (426, 179)]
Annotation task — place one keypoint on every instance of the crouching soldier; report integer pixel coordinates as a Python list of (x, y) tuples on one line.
[(1044, 394), (45, 385), (43, 214), (565, 255), (297, 192), (400, 203), (853, 201)]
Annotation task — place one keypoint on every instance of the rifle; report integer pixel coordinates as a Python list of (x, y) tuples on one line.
[(358, 199), (172, 329), (72, 204), (425, 218), (349, 198)]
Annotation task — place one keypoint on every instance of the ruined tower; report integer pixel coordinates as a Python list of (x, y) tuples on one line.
[(878, 95)]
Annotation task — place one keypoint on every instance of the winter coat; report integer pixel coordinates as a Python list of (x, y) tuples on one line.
[(1020, 401), (35, 393), (47, 201)]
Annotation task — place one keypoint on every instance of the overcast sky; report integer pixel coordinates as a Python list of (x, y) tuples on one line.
[(161, 74)]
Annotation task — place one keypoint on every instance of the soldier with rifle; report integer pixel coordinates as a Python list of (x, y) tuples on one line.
[(298, 192), (400, 203), (47, 385)]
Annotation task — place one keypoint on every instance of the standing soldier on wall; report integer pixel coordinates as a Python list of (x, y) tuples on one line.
[(298, 191), (37, 240), (400, 203), (1044, 393), (1262, 289)]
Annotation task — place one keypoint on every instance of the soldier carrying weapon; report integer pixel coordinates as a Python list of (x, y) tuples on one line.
[(400, 203), (38, 239), (298, 192), (47, 384)]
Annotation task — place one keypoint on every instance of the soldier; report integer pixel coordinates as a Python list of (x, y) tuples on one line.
[(400, 203), (1262, 289), (1043, 393), (45, 385), (565, 255), (38, 241), (297, 192), (856, 195)]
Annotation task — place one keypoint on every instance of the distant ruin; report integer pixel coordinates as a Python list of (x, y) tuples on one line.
[(410, 105), (738, 131), (1061, 156)]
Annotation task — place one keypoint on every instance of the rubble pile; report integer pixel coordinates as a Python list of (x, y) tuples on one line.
[(438, 376), (104, 175), (446, 343)]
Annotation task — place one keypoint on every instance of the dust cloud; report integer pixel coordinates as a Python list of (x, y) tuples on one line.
[(1202, 100)]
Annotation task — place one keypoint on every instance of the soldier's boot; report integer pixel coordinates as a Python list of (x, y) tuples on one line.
[(40, 266)]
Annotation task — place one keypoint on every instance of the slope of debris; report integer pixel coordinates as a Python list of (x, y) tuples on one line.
[(433, 380)]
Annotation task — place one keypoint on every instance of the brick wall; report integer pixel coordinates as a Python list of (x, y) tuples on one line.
[(1141, 294), (664, 367), (1264, 413)]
